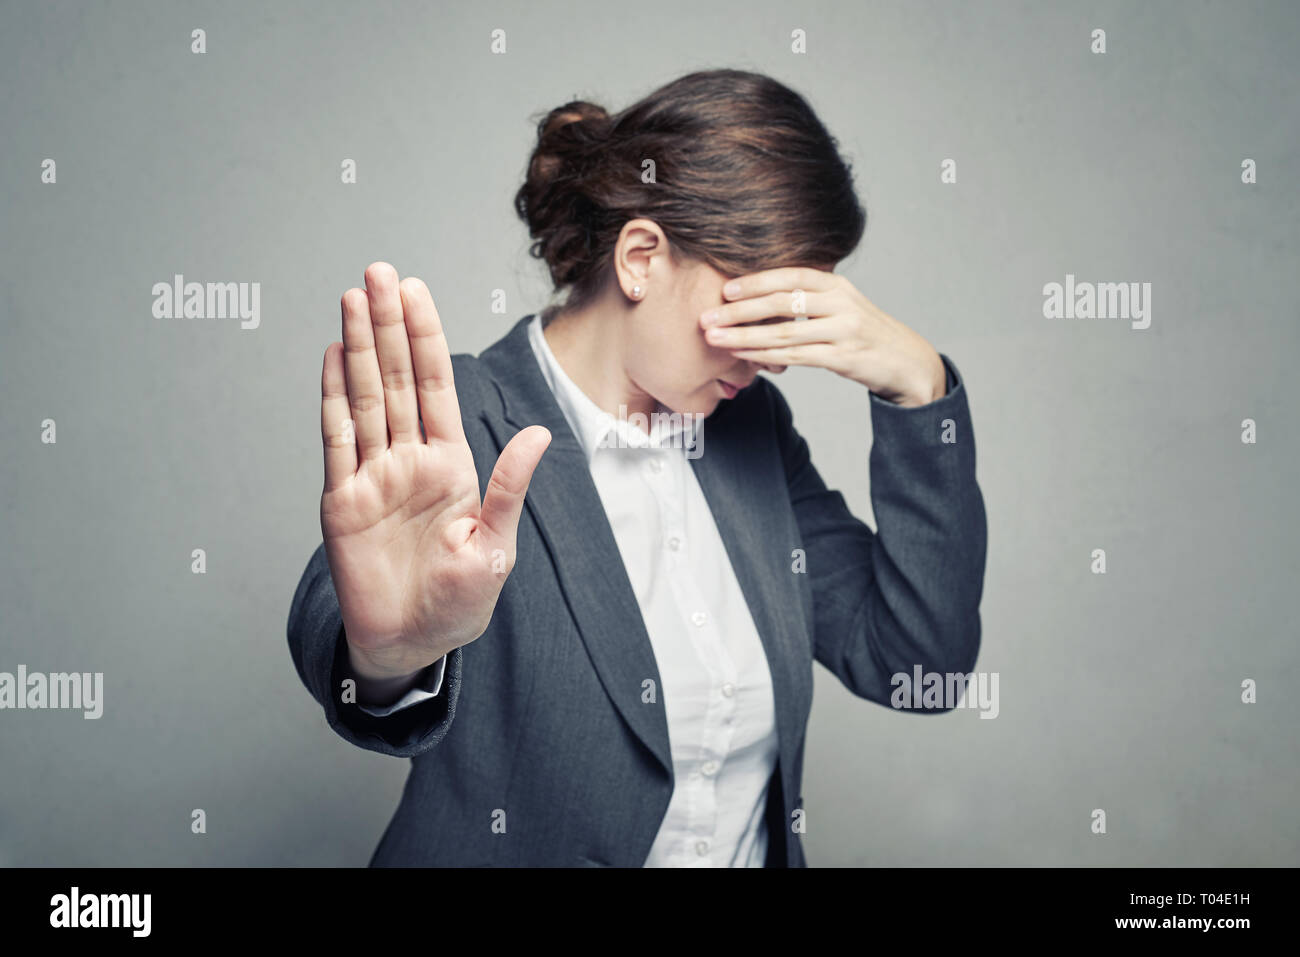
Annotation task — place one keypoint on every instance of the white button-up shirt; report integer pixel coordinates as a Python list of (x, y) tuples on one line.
[(717, 690)]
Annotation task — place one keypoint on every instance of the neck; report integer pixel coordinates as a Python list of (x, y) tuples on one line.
[(589, 346)]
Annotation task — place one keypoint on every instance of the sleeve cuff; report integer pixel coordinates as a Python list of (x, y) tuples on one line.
[(427, 687)]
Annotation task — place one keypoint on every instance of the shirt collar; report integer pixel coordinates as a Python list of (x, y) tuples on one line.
[(595, 428)]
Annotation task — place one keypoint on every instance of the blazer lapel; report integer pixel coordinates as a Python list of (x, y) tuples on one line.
[(743, 484), (563, 500)]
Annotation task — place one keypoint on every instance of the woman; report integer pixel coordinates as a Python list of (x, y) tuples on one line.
[(616, 668)]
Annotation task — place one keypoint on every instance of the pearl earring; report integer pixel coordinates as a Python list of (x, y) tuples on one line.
[(636, 292)]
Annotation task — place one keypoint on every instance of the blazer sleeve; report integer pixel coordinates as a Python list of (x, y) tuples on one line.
[(908, 593), (319, 652)]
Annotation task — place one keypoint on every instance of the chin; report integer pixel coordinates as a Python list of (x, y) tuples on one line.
[(701, 405)]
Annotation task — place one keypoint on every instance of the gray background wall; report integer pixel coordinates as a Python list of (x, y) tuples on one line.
[(1118, 691)]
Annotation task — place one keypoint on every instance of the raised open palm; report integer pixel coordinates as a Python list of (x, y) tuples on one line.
[(417, 561)]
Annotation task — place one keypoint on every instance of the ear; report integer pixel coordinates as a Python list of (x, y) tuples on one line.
[(641, 254)]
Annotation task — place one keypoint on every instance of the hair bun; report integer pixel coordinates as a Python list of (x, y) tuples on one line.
[(553, 200), (575, 111), (567, 138)]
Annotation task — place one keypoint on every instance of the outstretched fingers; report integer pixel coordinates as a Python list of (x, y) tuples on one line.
[(434, 384), (504, 499), (393, 352), (361, 367), (337, 432)]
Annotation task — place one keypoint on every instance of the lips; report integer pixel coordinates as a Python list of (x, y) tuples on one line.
[(730, 389)]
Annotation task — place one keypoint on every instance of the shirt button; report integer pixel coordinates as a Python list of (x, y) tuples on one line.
[(674, 543), (699, 618), (656, 465), (701, 848), (709, 768), (728, 690)]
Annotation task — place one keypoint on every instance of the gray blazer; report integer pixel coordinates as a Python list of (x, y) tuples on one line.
[(541, 749)]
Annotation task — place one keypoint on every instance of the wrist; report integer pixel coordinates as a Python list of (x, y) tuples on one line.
[(931, 387), (378, 686), (379, 671)]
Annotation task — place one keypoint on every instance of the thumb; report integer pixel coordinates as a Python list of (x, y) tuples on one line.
[(504, 499)]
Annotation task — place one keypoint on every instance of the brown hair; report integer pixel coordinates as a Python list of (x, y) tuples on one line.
[(747, 178)]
